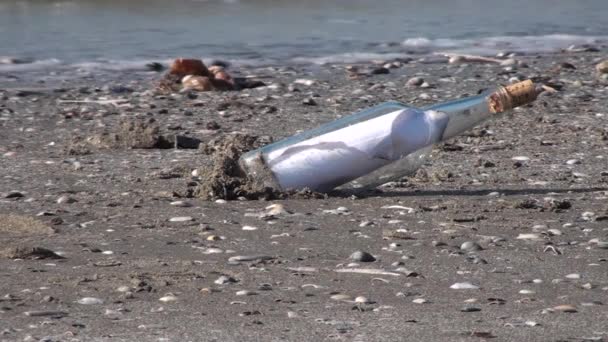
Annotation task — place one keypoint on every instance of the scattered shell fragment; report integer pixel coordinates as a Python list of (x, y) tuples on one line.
[(520, 158), (529, 236), (90, 301), (565, 308), (372, 271), (341, 297), (464, 286), (181, 219), (168, 298)]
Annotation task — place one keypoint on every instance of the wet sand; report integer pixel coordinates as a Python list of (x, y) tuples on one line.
[(514, 211)]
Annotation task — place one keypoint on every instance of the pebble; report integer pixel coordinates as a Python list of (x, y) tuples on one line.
[(123, 289), (90, 301), (527, 292), (420, 301), (168, 298), (464, 286), (470, 309), (309, 102), (415, 81), (573, 276), (249, 228), (379, 71), (470, 246), (225, 280), (362, 256), (66, 199), (181, 219)]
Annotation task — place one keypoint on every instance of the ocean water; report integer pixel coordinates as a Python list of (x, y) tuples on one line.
[(126, 34)]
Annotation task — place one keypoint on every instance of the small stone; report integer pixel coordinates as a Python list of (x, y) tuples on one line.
[(470, 246), (65, 200), (573, 276), (420, 301), (361, 256), (309, 102), (573, 162), (379, 71), (464, 286), (249, 228), (123, 289), (527, 292), (225, 280), (90, 301), (168, 298), (565, 308), (181, 219), (415, 81), (470, 309)]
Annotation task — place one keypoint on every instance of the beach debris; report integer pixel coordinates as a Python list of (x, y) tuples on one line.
[(602, 67), (188, 66), (197, 83), (192, 75)]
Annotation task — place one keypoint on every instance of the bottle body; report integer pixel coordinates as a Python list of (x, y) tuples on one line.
[(369, 148)]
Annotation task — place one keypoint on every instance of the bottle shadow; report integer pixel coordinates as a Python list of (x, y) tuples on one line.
[(345, 193)]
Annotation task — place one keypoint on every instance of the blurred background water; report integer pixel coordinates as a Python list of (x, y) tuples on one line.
[(128, 33)]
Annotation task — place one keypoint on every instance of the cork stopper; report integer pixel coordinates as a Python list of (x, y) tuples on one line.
[(511, 96)]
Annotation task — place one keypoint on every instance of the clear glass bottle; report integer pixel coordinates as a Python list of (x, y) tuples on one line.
[(374, 146)]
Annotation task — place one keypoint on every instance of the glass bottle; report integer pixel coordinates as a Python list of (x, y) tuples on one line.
[(374, 146)]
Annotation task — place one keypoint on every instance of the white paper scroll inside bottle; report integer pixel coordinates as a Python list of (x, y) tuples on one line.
[(375, 146)]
